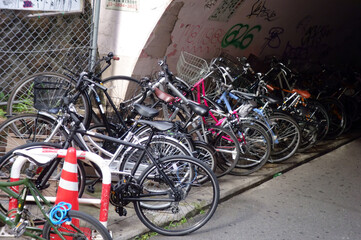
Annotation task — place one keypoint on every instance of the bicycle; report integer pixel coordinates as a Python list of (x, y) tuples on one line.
[(170, 186), (22, 221)]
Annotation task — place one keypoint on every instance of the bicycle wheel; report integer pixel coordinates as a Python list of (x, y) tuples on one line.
[(30, 170), (160, 146), (183, 138), (124, 92), (206, 153), (21, 99), (255, 147), (25, 128), (225, 144), (287, 137), (190, 203), (337, 117), (323, 121), (81, 226)]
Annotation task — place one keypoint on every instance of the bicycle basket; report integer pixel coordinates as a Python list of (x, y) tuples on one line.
[(49, 93), (191, 68)]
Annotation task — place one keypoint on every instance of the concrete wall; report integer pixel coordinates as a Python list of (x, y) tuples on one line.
[(322, 29), (125, 32)]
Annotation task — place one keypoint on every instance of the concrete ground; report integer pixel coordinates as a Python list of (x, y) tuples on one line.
[(129, 227)]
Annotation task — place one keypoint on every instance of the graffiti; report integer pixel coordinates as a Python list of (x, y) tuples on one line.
[(210, 3), (28, 4), (198, 39), (239, 36), (225, 10), (260, 10), (312, 42), (304, 23), (273, 40), (314, 35)]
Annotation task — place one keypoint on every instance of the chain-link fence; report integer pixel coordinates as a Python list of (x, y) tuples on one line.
[(42, 43)]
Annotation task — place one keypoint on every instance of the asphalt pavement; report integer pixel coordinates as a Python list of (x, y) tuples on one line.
[(318, 200)]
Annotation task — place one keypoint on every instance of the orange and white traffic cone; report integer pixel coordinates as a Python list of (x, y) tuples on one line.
[(68, 185)]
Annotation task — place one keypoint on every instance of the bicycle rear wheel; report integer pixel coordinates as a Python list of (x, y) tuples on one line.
[(337, 117), (189, 203), (225, 144), (287, 137), (81, 226), (25, 128), (255, 147), (160, 146), (124, 92)]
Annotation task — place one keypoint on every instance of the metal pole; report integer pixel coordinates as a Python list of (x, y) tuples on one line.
[(94, 47)]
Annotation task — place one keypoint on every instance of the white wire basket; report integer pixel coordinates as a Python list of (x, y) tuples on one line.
[(191, 68)]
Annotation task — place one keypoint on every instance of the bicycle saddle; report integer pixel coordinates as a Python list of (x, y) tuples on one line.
[(199, 109), (271, 100), (159, 125), (303, 93), (145, 111), (163, 96)]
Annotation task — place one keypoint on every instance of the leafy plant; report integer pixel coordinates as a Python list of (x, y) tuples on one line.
[(146, 236)]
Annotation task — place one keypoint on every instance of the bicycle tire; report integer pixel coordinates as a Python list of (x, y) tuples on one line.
[(255, 147), (351, 109), (225, 144), (21, 97), (125, 92), (187, 214), (323, 120), (288, 136), (7, 160), (25, 128), (183, 138), (89, 228), (337, 117), (160, 146), (206, 153)]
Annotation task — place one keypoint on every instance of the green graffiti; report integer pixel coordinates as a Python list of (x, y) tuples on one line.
[(240, 36)]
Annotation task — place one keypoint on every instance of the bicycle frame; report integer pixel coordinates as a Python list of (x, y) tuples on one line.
[(14, 222)]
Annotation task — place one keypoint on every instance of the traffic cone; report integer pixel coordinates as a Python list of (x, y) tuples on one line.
[(68, 185)]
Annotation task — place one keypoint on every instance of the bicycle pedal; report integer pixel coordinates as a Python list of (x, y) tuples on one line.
[(121, 211)]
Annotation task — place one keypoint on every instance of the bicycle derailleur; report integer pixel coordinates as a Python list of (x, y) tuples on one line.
[(120, 192)]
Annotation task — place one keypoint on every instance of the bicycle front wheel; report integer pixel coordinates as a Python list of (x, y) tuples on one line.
[(21, 99), (81, 226), (33, 172), (189, 203)]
